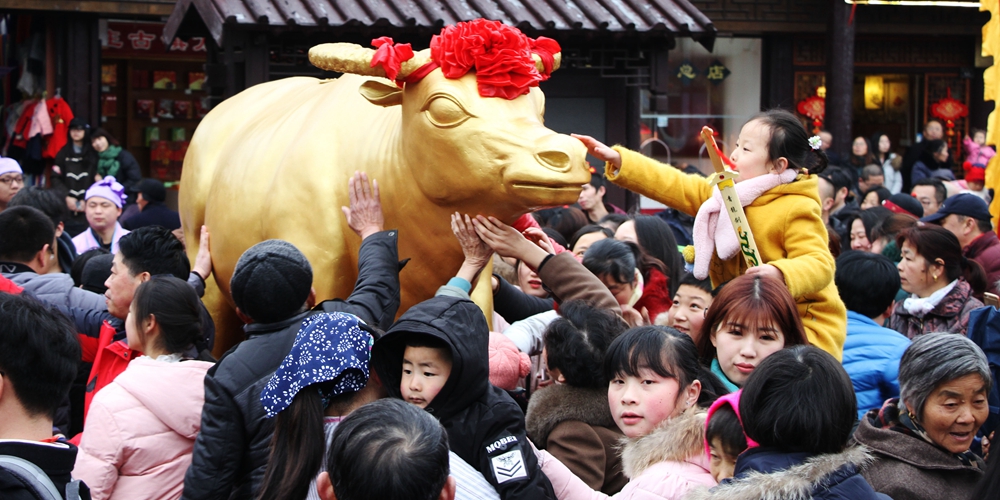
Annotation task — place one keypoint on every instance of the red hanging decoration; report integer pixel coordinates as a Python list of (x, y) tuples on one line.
[(813, 107), (949, 110)]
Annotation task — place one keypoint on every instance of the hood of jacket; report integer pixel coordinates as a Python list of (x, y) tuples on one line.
[(674, 440), (460, 324), (560, 403), (773, 475), (174, 392)]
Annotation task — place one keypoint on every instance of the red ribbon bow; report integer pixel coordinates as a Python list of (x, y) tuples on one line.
[(390, 55)]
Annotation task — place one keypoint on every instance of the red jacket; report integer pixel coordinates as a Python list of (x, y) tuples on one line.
[(8, 286), (986, 251), (655, 295), (110, 357), (60, 114)]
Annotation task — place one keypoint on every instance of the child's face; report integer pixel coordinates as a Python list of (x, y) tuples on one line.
[(638, 404), (425, 371), (622, 291), (975, 185), (979, 138), (740, 348), (721, 465), (750, 154), (688, 312)]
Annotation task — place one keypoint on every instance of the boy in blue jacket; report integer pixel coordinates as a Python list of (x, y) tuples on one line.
[(868, 284)]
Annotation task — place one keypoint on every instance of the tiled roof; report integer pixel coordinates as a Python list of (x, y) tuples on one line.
[(678, 17)]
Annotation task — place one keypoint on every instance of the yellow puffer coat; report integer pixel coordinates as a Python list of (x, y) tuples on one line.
[(787, 226)]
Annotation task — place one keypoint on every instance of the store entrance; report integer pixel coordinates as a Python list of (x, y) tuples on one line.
[(884, 104)]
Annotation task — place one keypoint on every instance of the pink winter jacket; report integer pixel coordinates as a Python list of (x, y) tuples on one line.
[(141, 429), (663, 465)]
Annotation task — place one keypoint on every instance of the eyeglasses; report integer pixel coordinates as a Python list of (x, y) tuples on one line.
[(12, 179)]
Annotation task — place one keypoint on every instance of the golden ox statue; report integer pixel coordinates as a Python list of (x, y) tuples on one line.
[(274, 161)]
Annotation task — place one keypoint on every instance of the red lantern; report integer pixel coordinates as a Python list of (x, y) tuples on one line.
[(813, 107), (949, 110)]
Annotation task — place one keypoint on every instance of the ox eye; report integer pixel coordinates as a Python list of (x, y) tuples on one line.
[(445, 112)]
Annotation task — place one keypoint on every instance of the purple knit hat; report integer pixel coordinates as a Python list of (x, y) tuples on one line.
[(109, 189), (8, 165), (732, 399)]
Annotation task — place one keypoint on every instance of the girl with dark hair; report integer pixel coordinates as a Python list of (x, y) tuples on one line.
[(141, 427), (933, 163), (73, 172), (861, 156), (777, 162), (655, 239), (943, 284), (862, 227), (619, 265), (114, 161), (874, 197), (750, 319), (884, 157), (803, 447), (658, 395)]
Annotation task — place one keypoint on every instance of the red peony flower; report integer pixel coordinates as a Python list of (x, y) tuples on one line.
[(500, 55)]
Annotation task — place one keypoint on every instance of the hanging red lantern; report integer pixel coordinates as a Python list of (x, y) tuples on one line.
[(949, 110), (813, 107)]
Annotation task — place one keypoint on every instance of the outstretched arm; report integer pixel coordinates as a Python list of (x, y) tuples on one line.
[(477, 252), (365, 213)]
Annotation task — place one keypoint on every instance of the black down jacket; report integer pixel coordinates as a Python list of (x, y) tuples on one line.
[(485, 425), (231, 452)]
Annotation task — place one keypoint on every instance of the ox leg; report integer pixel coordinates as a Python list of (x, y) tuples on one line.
[(482, 295)]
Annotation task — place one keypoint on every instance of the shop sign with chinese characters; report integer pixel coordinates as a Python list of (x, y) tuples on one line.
[(144, 40)]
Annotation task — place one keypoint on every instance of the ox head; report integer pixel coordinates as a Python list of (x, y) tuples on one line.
[(460, 146)]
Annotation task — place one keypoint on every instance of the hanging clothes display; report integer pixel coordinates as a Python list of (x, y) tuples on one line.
[(60, 115)]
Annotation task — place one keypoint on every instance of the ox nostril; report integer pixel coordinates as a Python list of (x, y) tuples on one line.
[(555, 160)]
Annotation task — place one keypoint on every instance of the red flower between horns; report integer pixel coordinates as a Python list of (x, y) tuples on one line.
[(500, 54)]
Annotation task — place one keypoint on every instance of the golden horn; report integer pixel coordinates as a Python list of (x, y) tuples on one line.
[(556, 59), (355, 59)]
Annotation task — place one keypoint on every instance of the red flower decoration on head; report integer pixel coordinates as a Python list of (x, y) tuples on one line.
[(390, 55), (500, 55)]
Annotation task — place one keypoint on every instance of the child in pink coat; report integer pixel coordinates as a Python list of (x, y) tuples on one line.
[(656, 398), (141, 428)]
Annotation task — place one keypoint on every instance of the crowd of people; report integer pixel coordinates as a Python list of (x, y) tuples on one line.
[(614, 362)]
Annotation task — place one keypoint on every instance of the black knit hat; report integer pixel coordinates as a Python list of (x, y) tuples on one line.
[(96, 271), (271, 281), (152, 190)]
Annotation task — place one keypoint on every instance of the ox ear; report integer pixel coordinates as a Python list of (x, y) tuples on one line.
[(381, 94)]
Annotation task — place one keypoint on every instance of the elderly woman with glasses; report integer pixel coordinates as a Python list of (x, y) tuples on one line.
[(11, 180), (921, 440)]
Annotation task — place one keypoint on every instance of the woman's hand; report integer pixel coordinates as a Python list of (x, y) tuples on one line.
[(508, 242), (71, 204), (600, 150), (767, 271), (538, 237), (634, 317), (477, 252), (203, 260), (365, 213)]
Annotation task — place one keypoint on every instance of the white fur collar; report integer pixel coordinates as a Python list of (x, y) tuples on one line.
[(794, 483), (675, 440)]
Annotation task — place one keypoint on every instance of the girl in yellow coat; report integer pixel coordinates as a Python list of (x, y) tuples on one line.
[(776, 161)]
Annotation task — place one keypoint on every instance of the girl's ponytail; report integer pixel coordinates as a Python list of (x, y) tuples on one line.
[(822, 161), (974, 274), (297, 448)]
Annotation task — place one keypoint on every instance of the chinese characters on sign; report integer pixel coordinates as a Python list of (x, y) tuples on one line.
[(687, 72), (142, 38), (716, 72)]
